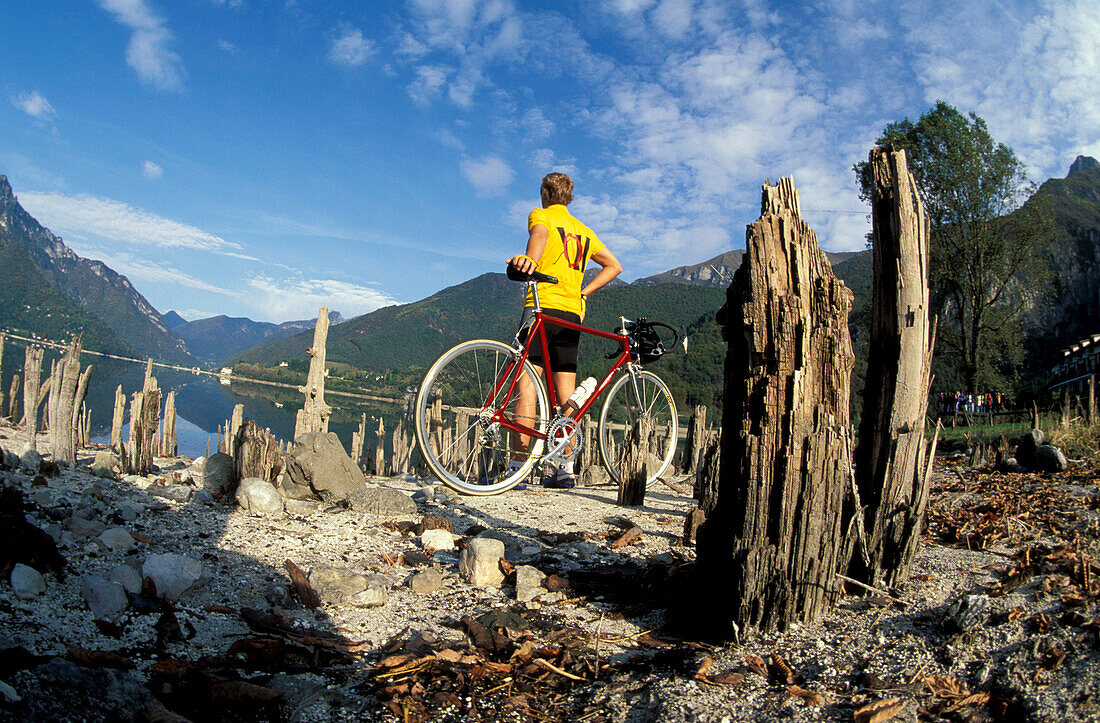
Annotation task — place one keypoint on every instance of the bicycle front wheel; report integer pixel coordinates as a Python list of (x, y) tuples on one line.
[(633, 396), (457, 437)]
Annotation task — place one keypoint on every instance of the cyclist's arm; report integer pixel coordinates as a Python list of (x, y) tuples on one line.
[(611, 269), (536, 245)]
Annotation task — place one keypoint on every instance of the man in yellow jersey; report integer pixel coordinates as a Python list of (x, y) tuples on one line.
[(561, 246)]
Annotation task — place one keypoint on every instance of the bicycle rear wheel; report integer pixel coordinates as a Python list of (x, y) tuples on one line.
[(625, 404), (453, 418)]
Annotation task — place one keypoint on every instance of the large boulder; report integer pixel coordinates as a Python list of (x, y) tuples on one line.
[(321, 463), (1026, 446), (259, 497), (217, 474), (1049, 458)]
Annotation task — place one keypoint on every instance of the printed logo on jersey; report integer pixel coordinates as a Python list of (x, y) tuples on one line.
[(575, 249)]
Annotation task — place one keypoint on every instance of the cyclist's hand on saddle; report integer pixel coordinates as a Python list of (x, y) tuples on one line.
[(524, 263)]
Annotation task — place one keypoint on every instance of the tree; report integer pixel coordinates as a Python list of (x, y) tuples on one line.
[(989, 242)]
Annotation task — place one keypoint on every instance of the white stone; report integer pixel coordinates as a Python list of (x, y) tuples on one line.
[(117, 539), (26, 582), (172, 574), (479, 564), (438, 539), (107, 600), (259, 497), (528, 583), (128, 577)]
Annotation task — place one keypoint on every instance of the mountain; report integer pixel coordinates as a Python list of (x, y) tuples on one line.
[(717, 271), (218, 338), (173, 320), (397, 337), (102, 293)]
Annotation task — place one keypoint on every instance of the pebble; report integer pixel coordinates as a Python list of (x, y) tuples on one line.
[(107, 600), (85, 528), (26, 582), (172, 574), (203, 497), (176, 493), (259, 498), (8, 692), (426, 581), (30, 459), (301, 508), (528, 583), (479, 563), (127, 577), (130, 511), (340, 586), (438, 539), (117, 539)]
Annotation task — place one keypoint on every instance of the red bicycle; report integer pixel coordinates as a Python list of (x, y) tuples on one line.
[(468, 425)]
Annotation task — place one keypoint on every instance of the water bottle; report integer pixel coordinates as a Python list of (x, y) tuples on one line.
[(579, 396)]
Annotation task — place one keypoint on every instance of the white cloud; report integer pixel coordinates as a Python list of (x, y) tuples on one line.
[(537, 125), (148, 53), (87, 216), (286, 299), (153, 272), (227, 46), (489, 176), (34, 105), (151, 170), (349, 48), (673, 18), (428, 84)]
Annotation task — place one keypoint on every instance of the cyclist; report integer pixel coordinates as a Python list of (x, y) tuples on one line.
[(559, 245)]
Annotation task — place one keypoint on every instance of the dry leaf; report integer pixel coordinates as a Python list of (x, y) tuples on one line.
[(98, 658), (781, 671), (945, 686), (701, 673), (728, 679), (808, 696), (757, 665), (879, 711)]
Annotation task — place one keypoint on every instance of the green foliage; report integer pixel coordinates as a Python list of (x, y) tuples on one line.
[(989, 249)]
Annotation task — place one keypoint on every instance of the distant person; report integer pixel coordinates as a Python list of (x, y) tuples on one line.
[(559, 245)]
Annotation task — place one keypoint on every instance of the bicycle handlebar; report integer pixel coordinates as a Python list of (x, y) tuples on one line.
[(516, 275)]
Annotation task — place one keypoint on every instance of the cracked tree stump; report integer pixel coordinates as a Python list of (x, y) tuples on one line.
[(1, 374), (32, 373), (118, 417), (63, 408), (770, 548), (168, 446), (380, 449), (258, 453), (144, 422), (357, 438), (893, 463), (635, 465), (314, 414), (13, 398)]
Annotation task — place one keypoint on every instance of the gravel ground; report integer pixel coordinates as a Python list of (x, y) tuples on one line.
[(947, 648)]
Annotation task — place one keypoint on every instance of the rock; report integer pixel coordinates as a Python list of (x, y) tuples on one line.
[(277, 594), (1049, 458), (302, 508), (82, 527), (127, 577), (8, 693), (107, 600), (66, 691), (203, 497), (26, 582), (437, 540), (1026, 446), (528, 583), (321, 463), (117, 539), (594, 475), (176, 493), (292, 484), (479, 564), (130, 511), (424, 494), (216, 474), (11, 460), (426, 582), (434, 522), (30, 459), (258, 497), (340, 586), (381, 501), (104, 464), (172, 574), (970, 612)]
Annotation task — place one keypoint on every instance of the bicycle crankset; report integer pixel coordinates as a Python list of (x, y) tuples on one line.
[(565, 439)]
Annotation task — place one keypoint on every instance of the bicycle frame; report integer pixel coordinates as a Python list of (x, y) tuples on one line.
[(538, 330)]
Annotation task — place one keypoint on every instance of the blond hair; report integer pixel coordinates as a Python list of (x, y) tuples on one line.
[(557, 188)]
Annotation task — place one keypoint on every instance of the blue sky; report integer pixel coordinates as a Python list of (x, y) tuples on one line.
[(263, 157)]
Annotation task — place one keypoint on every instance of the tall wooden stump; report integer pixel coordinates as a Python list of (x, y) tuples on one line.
[(13, 399), (380, 449), (695, 441), (357, 438), (32, 374), (258, 453), (168, 446), (144, 422), (67, 391), (893, 467), (1, 374), (635, 466), (314, 414), (769, 551), (118, 416), (233, 428)]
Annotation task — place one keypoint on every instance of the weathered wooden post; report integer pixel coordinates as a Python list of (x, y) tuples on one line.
[(770, 549), (634, 470), (66, 397), (118, 416), (694, 442), (1092, 399), (258, 453), (144, 421), (32, 373), (234, 428), (314, 414), (435, 423), (357, 438), (893, 466), (380, 449), (168, 446), (1, 374), (13, 399)]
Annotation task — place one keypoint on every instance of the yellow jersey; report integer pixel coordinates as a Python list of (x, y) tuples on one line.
[(569, 246)]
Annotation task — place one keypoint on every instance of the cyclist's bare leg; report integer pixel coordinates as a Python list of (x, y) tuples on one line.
[(524, 412)]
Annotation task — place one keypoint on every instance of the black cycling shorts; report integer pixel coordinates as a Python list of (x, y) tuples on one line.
[(561, 342)]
